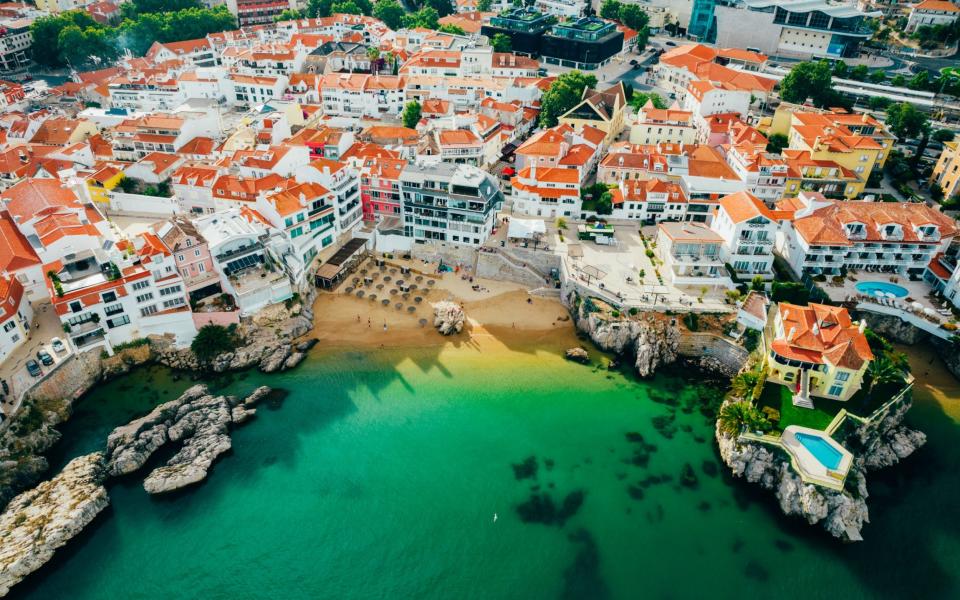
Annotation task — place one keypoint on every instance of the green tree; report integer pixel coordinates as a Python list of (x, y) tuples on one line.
[(743, 384), (411, 114), (840, 69), (920, 81), (633, 17), (501, 42), (484, 5), (878, 103), (943, 135), (610, 9), (443, 7), (936, 192), (736, 417), (777, 142), (212, 341), (604, 204), (452, 29), (426, 17), (860, 72), (905, 121), (161, 6), (82, 47), (640, 99), (809, 80), (881, 371), (757, 284), (390, 12), (46, 34), (373, 53), (877, 76), (564, 93), (289, 15), (898, 81), (348, 7), (319, 8)]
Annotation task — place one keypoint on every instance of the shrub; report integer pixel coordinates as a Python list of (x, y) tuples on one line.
[(633, 311), (692, 321), (751, 339), (213, 340), (131, 344), (792, 292), (649, 253), (949, 326), (733, 296), (589, 306), (615, 314)]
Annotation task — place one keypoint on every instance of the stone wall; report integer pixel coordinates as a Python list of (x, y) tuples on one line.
[(491, 265), (891, 327), (712, 352), (450, 253)]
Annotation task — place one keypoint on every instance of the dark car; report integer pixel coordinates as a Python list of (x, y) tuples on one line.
[(669, 43), (33, 368), (44, 357), (634, 62)]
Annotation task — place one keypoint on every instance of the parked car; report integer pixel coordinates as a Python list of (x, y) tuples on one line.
[(634, 62), (44, 357), (58, 345), (6, 388), (669, 43), (33, 368)]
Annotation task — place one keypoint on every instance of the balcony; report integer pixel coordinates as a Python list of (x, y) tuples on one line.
[(223, 256)]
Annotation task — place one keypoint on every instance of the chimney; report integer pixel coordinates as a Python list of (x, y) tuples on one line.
[(863, 325), (303, 199), (791, 333)]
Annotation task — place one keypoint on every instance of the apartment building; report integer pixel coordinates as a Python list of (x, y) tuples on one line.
[(305, 213), (946, 173), (448, 203), (343, 183), (361, 95), (830, 237), (929, 13), (662, 126), (548, 192), (650, 201), (749, 230), (691, 256), (764, 173), (246, 271), (380, 187), (191, 257), (16, 315)]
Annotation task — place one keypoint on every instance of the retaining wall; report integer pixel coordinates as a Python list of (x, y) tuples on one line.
[(713, 351)]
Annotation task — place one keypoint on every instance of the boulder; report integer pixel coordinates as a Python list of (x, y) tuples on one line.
[(578, 355), (448, 317)]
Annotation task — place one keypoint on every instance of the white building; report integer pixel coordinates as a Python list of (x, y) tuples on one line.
[(16, 315), (246, 272), (691, 256), (932, 12), (361, 95), (749, 230), (828, 237), (343, 184)]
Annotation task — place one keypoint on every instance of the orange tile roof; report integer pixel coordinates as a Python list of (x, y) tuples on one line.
[(287, 200), (826, 226), (744, 206), (820, 333), (15, 251), (32, 197)]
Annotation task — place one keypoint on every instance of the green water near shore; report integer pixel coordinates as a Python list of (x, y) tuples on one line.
[(380, 474)]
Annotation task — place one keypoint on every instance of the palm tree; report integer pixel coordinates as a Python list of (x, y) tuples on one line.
[(743, 385), (736, 416), (882, 370)]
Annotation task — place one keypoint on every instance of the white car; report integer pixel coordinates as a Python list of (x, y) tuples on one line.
[(58, 345)]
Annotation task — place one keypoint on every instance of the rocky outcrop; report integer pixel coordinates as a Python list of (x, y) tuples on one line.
[(448, 317), (197, 419), (949, 353), (891, 327), (39, 521), (649, 340), (578, 355), (879, 443)]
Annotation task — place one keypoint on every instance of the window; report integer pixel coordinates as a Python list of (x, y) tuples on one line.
[(843, 376), (179, 258), (10, 325), (170, 290), (174, 302), (15, 338), (145, 297), (117, 322), (835, 390), (113, 309), (75, 307), (196, 252), (148, 310), (109, 297), (140, 285), (202, 268)]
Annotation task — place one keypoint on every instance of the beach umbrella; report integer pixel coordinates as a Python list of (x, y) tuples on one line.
[(398, 305), (411, 309), (394, 271), (419, 278), (393, 291), (431, 281), (349, 289), (372, 297), (418, 299), (360, 293), (379, 286), (385, 302), (387, 278), (405, 296), (356, 280), (423, 322), (412, 286)]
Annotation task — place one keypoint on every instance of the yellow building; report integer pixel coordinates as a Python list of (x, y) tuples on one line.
[(102, 182), (817, 350), (604, 110), (947, 172), (831, 142), (804, 173)]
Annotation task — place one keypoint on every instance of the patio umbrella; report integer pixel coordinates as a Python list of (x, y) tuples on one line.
[(372, 297), (411, 309), (385, 302), (360, 293), (398, 305), (387, 278), (423, 322)]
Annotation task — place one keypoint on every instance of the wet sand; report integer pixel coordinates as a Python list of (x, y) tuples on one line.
[(934, 383)]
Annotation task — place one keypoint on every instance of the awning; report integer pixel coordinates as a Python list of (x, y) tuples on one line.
[(509, 171), (526, 229)]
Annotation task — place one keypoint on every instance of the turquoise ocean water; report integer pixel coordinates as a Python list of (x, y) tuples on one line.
[(380, 474)]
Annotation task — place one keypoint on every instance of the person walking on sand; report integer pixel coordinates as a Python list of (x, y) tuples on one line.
[(368, 322), (384, 325)]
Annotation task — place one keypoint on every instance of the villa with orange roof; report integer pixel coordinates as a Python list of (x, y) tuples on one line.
[(653, 125), (830, 237), (604, 110), (547, 192), (361, 95), (650, 201), (817, 350), (306, 213), (343, 183)]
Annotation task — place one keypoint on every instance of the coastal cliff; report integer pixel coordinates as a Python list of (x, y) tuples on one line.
[(651, 342), (879, 443), (39, 521)]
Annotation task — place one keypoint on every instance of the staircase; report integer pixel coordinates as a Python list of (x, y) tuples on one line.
[(802, 398)]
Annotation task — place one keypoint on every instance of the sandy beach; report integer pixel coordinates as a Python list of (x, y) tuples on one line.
[(499, 313)]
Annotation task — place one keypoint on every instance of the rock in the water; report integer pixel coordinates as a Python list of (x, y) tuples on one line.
[(652, 342), (577, 354), (448, 317), (39, 521), (197, 419)]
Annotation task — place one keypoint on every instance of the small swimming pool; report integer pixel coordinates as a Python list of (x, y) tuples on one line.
[(821, 449), (882, 288)]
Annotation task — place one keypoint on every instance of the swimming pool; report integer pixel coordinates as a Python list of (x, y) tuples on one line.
[(874, 288), (821, 449)]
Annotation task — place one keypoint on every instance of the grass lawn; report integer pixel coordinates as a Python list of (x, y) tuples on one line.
[(780, 397)]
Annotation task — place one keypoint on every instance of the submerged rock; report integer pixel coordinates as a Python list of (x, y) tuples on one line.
[(39, 521), (448, 317), (197, 419), (578, 355)]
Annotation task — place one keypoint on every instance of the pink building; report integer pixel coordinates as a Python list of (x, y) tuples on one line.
[(380, 187), (191, 256)]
